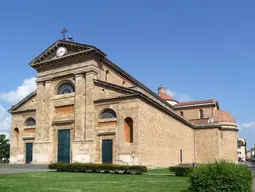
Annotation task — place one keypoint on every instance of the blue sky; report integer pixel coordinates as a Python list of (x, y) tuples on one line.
[(197, 49)]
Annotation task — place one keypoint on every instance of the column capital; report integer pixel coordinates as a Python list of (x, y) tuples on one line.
[(48, 81), (40, 82), (79, 74), (91, 72)]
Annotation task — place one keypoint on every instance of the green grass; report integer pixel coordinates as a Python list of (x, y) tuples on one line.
[(91, 182), (160, 171)]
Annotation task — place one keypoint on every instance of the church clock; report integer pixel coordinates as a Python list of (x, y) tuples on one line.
[(61, 51)]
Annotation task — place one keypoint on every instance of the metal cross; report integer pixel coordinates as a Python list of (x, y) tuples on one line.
[(64, 31)]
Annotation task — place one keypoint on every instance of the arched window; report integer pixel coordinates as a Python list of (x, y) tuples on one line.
[(128, 130), (181, 113), (201, 114), (108, 114), (106, 75), (30, 122), (65, 88), (16, 133)]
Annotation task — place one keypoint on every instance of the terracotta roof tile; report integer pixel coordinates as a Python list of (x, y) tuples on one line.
[(223, 116), (165, 96), (209, 101)]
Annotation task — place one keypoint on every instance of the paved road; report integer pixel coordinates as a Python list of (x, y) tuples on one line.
[(252, 167), (6, 169)]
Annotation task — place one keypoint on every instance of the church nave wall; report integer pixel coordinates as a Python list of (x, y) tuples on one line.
[(162, 139)]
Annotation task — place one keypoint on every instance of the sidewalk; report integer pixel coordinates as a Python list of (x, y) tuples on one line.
[(252, 167), (22, 168)]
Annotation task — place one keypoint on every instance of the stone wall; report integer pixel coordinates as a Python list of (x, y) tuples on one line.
[(113, 77), (228, 147), (207, 145), (114, 129), (17, 144), (161, 137), (193, 113)]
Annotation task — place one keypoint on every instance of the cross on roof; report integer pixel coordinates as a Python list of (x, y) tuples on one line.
[(64, 31)]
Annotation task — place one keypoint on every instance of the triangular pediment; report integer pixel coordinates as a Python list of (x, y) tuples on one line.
[(70, 49), (105, 91), (26, 104)]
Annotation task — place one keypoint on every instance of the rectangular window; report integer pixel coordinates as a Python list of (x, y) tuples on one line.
[(181, 155), (201, 114)]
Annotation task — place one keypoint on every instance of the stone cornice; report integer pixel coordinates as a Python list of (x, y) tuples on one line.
[(28, 137), (215, 126), (11, 110), (113, 86), (74, 72), (55, 122), (23, 111), (124, 97), (194, 106), (106, 133), (229, 129), (54, 60), (58, 43), (79, 75)]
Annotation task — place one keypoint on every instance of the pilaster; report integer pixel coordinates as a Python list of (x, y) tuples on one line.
[(89, 118), (79, 107), (49, 111), (40, 110)]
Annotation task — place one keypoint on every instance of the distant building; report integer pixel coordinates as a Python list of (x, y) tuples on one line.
[(241, 151), (248, 155)]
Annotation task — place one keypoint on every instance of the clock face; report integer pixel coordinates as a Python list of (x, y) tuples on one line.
[(61, 51)]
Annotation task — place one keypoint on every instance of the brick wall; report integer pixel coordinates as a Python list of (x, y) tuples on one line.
[(193, 113), (207, 145), (229, 145), (161, 138)]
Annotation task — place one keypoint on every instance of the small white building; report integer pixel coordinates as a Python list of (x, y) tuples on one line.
[(241, 150)]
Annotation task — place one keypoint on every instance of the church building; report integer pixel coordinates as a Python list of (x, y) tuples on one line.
[(87, 109)]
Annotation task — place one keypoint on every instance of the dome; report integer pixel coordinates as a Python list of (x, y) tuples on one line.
[(223, 116), (163, 95)]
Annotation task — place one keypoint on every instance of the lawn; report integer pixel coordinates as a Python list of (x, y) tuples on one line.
[(91, 182), (160, 171)]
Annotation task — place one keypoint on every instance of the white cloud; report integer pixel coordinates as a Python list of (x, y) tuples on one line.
[(5, 121), (178, 96), (248, 125), (13, 97)]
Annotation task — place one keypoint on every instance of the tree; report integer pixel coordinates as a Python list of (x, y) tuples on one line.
[(4, 149)]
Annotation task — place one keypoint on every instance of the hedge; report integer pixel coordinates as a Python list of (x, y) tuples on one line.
[(98, 168), (181, 170), (220, 176)]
